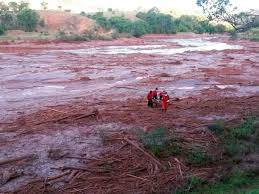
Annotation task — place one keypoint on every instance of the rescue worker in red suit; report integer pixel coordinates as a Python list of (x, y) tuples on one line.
[(150, 99), (165, 102), (154, 96)]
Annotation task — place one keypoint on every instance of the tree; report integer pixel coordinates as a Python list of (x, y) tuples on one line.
[(14, 7), (3, 7), (121, 24), (27, 19), (44, 5), (23, 5), (2, 29), (223, 10), (139, 28)]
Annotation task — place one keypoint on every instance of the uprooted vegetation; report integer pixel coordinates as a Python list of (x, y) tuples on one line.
[(162, 161)]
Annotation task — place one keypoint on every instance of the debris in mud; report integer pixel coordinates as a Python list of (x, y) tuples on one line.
[(57, 154), (164, 75), (10, 174), (20, 159), (126, 169)]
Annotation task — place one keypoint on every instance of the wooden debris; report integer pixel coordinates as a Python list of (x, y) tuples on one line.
[(11, 160), (146, 153)]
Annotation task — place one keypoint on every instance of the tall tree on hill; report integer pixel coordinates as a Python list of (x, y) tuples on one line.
[(223, 10)]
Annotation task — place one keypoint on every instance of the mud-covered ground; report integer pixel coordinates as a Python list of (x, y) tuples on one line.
[(58, 99)]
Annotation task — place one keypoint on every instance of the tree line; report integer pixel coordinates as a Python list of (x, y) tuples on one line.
[(153, 21), (17, 16)]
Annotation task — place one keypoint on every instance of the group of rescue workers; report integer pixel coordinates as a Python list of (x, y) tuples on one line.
[(153, 100)]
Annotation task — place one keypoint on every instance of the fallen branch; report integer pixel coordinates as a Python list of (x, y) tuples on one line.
[(57, 110), (125, 87), (58, 176), (146, 153), (3, 162), (137, 177)]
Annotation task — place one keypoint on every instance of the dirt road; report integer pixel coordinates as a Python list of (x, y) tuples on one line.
[(61, 97)]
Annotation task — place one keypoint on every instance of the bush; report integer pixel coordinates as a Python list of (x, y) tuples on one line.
[(198, 157), (160, 143), (245, 130), (121, 24), (2, 29), (101, 20), (157, 22), (192, 184), (139, 28), (217, 127), (27, 19)]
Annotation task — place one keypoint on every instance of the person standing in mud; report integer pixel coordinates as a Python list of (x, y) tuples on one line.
[(150, 99), (165, 102), (154, 97)]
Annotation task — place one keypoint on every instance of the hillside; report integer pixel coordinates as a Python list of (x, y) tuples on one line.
[(57, 20)]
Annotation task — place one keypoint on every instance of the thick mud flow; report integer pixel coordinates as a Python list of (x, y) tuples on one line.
[(34, 75), (40, 82)]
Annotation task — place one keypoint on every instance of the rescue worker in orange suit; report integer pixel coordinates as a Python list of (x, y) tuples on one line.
[(150, 99), (161, 94), (165, 102)]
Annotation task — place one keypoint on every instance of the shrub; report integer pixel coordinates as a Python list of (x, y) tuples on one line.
[(160, 143), (217, 127), (27, 19), (197, 157), (139, 28), (121, 24), (2, 29), (192, 184), (245, 130)]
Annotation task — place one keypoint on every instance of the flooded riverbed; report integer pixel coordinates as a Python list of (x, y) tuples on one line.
[(33, 78)]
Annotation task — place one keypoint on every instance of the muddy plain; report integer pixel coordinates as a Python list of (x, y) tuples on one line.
[(59, 100)]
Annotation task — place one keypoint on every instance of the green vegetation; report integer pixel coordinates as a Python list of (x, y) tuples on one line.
[(242, 140), (236, 182), (252, 34), (27, 20), (15, 16), (153, 21), (237, 142), (197, 157), (160, 143), (2, 29), (223, 10), (157, 21)]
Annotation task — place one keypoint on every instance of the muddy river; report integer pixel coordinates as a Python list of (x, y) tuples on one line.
[(34, 75)]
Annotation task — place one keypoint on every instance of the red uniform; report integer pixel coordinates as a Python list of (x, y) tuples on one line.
[(154, 93), (150, 99), (165, 102), (149, 96), (161, 94)]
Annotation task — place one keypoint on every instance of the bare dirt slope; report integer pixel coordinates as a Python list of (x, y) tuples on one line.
[(68, 22)]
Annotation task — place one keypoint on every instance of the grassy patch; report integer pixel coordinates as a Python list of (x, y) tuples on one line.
[(237, 182), (160, 143), (198, 157), (217, 127), (245, 130), (252, 34), (239, 141)]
